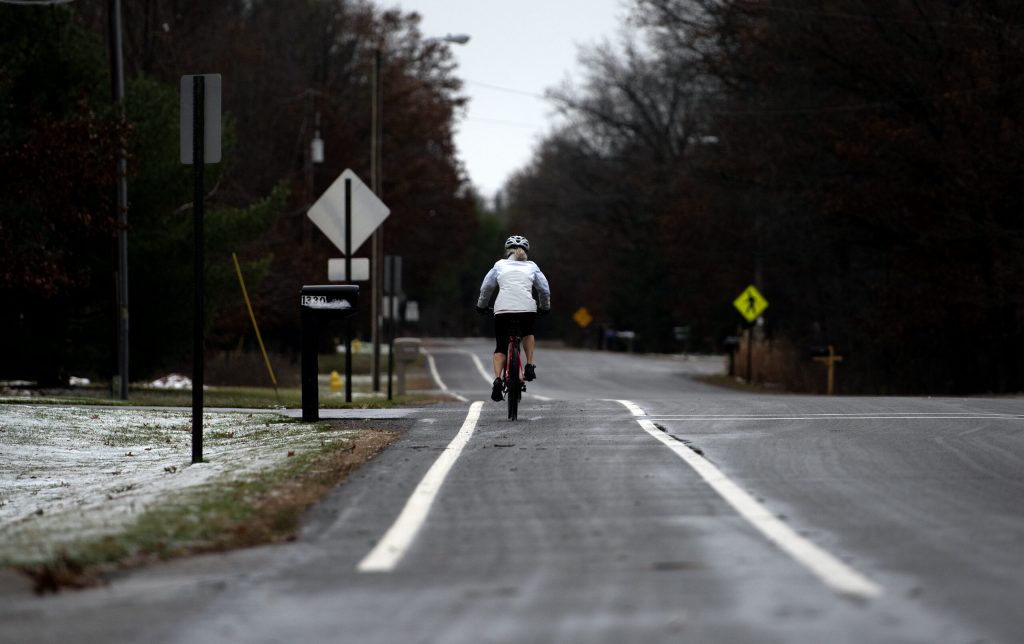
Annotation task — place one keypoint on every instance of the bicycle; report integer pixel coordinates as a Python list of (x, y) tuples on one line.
[(513, 382)]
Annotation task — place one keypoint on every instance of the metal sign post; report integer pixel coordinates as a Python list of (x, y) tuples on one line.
[(348, 271), (198, 87), (751, 304), (199, 145)]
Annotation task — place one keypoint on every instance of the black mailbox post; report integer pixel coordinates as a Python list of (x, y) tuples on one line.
[(320, 304)]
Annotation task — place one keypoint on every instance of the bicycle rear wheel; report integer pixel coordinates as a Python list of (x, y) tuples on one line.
[(512, 382)]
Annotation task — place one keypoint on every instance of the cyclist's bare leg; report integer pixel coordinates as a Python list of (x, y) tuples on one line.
[(498, 360), (529, 344)]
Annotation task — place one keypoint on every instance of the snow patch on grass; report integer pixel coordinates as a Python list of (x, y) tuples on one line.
[(69, 474)]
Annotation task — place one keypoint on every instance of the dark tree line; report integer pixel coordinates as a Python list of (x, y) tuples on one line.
[(290, 69), (58, 144), (859, 160)]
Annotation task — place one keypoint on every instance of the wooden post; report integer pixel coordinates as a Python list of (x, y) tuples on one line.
[(830, 362)]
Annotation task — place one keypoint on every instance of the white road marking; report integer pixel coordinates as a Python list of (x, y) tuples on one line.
[(479, 366), (488, 379), (393, 545), (834, 573), (632, 407), (437, 378), (908, 416)]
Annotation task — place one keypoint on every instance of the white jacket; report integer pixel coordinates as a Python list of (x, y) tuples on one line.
[(515, 282)]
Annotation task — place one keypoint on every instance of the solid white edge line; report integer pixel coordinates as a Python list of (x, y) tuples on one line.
[(834, 573), (437, 378), (393, 545), (835, 417), (632, 407)]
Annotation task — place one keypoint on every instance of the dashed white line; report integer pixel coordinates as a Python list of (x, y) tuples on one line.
[(396, 541), (832, 572)]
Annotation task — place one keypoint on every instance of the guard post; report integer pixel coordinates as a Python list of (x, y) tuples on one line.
[(405, 351), (320, 304)]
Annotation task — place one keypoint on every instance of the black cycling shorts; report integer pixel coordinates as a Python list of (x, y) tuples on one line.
[(501, 328)]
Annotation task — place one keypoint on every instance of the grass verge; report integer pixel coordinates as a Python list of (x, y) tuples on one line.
[(264, 507), (738, 384)]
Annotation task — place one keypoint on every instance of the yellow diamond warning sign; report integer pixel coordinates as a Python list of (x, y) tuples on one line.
[(750, 303), (583, 317)]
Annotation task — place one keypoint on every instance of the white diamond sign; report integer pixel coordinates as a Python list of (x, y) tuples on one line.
[(367, 211)]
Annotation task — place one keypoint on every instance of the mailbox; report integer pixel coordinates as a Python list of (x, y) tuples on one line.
[(318, 305), (406, 350), (329, 301)]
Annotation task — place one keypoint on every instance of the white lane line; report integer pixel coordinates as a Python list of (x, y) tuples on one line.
[(632, 407), (393, 545), (834, 573), (437, 378), (479, 366), (488, 379), (838, 417)]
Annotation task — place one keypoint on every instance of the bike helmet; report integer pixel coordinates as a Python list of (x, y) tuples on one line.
[(517, 241)]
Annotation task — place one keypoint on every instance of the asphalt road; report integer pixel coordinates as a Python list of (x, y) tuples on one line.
[(594, 518)]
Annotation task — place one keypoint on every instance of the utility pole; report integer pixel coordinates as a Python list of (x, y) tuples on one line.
[(376, 184), (117, 78)]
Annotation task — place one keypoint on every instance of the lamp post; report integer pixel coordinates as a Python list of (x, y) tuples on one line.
[(316, 145), (377, 239), (314, 158)]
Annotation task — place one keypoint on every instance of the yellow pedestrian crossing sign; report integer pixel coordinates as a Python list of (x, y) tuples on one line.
[(750, 303)]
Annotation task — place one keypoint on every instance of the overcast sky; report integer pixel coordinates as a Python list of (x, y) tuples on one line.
[(518, 48)]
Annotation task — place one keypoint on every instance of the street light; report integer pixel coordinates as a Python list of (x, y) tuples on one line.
[(316, 146), (377, 239), (458, 39)]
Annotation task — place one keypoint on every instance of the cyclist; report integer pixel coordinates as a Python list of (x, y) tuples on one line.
[(515, 277)]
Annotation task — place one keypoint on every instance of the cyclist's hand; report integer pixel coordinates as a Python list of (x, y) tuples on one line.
[(481, 310), (543, 311)]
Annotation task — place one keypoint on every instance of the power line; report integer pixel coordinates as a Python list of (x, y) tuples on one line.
[(532, 126), (508, 90)]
